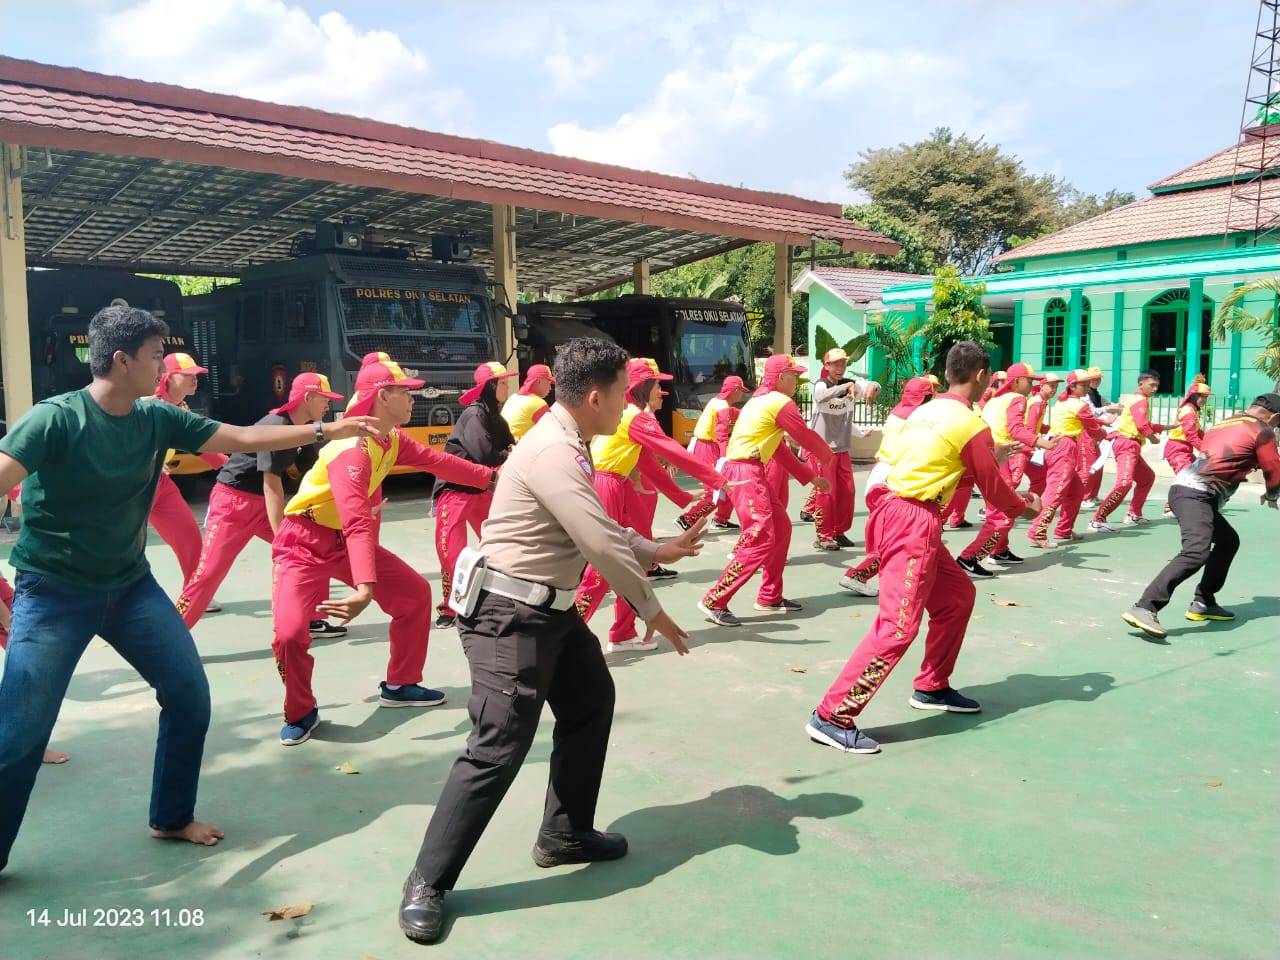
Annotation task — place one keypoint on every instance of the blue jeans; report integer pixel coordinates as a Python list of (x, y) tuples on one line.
[(53, 623)]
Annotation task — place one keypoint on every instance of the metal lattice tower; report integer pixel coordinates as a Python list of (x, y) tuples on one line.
[(1254, 207)]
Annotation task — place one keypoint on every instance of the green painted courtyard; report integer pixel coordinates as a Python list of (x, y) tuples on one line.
[(1115, 798)]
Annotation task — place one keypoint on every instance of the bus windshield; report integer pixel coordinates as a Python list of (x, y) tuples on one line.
[(418, 326), (709, 345)]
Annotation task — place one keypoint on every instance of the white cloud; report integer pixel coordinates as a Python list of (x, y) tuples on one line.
[(571, 68), (269, 50)]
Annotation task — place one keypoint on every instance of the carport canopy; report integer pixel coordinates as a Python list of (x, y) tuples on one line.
[(146, 177)]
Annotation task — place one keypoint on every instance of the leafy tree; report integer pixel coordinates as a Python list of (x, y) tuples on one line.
[(964, 196), (1076, 207), (914, 257), (193, 286), (959, 314), (1232, 317)]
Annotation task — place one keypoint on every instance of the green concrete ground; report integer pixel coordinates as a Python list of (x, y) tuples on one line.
[(1115, 798)]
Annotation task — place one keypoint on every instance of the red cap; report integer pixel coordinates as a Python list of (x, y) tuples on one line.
[(484, 373), (1197, 389), (640, 369), (781, 363), (834, 355), (1014, 372), (1051, 378), (182, 363), (915, 392), (373, 376), (305, 384), (537, 372), (731, 383)]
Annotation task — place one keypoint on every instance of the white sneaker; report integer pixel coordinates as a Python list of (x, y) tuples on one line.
[(1133, 520), (635, 643), (1090, 504), (213, 607), (1101, 525), (860, 588)]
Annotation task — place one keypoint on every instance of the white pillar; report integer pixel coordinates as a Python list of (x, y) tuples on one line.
[(781, 298), (504, 277)]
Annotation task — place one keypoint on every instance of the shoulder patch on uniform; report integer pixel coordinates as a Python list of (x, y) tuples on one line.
[(585, 464)]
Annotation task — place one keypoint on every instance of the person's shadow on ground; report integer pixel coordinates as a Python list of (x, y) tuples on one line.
[(663, 838), (1019, 692)]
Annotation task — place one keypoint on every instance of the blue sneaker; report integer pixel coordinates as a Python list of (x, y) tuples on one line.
[(952, 701), (410, 695), (292, 734), (848, 739)]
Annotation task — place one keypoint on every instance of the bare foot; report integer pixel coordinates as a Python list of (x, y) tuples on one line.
[(55, 756), (205, 834)]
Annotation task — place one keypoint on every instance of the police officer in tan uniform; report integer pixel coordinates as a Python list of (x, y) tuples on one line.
[(526, 643)]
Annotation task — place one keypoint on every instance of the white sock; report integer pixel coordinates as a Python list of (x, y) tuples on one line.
[(392, 686)]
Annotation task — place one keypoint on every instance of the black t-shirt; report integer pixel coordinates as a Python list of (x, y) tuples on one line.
[(480, 437), (244, 471)]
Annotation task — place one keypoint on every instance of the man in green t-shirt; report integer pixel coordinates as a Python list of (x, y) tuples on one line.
[(89, 462)]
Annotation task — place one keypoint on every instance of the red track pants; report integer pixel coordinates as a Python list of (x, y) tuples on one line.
[(709, 453), (1179, 453), (6, 597), (766, 534), (917, 574), (304, 558), (1090, 482), (993, 536), (233, 520), (171, 518), (833, 512), (455, 511), (1062, 489), (958, 505), (620, 499), (870, 564), (1037, 476), (1131, 472)]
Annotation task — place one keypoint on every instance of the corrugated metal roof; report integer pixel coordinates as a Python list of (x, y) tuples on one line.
[(150, 176)]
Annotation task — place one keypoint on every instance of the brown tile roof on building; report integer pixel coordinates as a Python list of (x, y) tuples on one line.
[(856, 286), (1166, 216), (1250, 156), (64, 108)]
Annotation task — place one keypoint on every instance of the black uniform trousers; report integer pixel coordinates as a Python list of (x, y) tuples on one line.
[(1208, 542), (520, 657)]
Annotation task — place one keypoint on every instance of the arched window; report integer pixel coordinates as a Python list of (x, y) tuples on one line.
[(1057, 313)]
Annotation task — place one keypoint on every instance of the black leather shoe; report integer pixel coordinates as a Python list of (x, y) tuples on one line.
[(421, 910), (844, 541), (582, 846)]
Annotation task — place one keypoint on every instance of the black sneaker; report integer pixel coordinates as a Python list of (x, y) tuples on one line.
[(782, 606), (421, 910), (445, 620), (1208, 611), (948, 699), (1007, 557), (661, 573), (844, 541), (960, 525), (579, 846), (1145, 620), (323, 628), (806, 517), (682, 523), (725, 525), (974, 569)]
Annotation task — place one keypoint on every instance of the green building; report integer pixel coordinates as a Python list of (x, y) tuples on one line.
[(1131, 289)]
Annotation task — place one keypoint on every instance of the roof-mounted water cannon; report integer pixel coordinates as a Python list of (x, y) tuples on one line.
[(339, 236), (448, 248)]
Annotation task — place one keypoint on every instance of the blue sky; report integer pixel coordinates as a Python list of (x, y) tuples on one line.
[(771, 95)]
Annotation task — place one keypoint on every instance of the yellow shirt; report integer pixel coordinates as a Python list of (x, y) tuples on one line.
[(1125, 425), (889, 435), (705, 428), (927, 464), (1064, 419), (618, 453), (996, 415), (757, 429), (314, 499), (519, 411), (1186, 410)]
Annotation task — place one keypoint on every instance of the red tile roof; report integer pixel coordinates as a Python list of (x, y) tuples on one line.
[(1165, 216), (71, 109), (1250, 156), (856, 286)]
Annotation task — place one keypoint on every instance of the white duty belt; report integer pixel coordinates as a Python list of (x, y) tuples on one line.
[(526, 591)]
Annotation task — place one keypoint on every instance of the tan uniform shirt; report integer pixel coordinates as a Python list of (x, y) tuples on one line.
[(546, 522)]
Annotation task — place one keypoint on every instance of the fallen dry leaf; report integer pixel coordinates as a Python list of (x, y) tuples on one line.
[(799, 670), (1006, 603), (1213, 783), (291, 912), (346, 768), (1027, 643)]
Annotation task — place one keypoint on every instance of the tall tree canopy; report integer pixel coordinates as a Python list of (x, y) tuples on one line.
[(964, 196)]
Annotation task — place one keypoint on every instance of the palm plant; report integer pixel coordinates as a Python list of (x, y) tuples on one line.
[(894, 336), (1232, 317)]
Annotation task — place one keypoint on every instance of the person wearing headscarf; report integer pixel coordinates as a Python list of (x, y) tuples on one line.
[(528, 405), (710, 438)]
